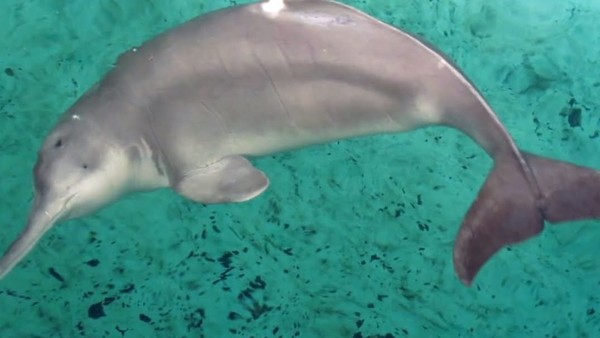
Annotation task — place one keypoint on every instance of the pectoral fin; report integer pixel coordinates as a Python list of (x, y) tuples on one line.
[(232, 179)]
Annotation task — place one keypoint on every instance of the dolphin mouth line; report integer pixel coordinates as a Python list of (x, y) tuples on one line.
[(61, 212), (53, 217)]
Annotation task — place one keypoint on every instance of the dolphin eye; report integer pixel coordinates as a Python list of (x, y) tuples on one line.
[(84, 166), (58, 143)]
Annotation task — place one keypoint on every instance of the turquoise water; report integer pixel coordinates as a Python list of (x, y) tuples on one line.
[(352, 239)]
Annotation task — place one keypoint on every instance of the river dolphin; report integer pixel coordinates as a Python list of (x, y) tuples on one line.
[(188, 108)]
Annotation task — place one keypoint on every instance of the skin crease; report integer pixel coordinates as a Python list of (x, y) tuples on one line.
[(187, 108)]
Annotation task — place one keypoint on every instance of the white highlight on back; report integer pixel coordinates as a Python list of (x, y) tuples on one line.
[(273, 7), (442, 63)]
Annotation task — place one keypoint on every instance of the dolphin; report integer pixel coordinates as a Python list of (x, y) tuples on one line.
[(189, 108)]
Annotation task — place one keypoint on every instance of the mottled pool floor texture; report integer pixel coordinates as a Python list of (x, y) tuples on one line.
[(352, 239)]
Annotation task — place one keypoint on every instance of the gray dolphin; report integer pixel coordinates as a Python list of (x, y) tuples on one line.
[(187, 108)]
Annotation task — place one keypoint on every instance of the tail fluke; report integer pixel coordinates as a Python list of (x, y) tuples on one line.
[(508, 211), (570, 192)]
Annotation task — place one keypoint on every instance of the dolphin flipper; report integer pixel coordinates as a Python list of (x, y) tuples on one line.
[(508, 211), (232, 179)]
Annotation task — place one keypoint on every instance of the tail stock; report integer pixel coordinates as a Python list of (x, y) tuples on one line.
[(509, 211)]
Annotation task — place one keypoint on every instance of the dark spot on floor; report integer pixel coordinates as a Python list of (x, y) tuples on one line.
[(573, 113), (251, 302), (9, 71), (56, 275), (225, 259), (574, 117), (93, 262), (258, 310), (195, 319), (121, 331), (81, 329), (145, 318), (258, 283), (234, 316), (387, 335), (128, 288), (108, 300), (96, 311)]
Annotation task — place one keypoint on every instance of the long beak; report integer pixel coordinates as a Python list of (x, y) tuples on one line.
[(40, 221)]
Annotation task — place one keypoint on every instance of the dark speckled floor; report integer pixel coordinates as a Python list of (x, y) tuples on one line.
[(353, 239)]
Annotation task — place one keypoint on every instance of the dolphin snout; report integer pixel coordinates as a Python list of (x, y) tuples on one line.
[(40, 221)]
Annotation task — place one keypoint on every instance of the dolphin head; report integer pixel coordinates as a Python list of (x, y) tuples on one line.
[(79, 170)]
